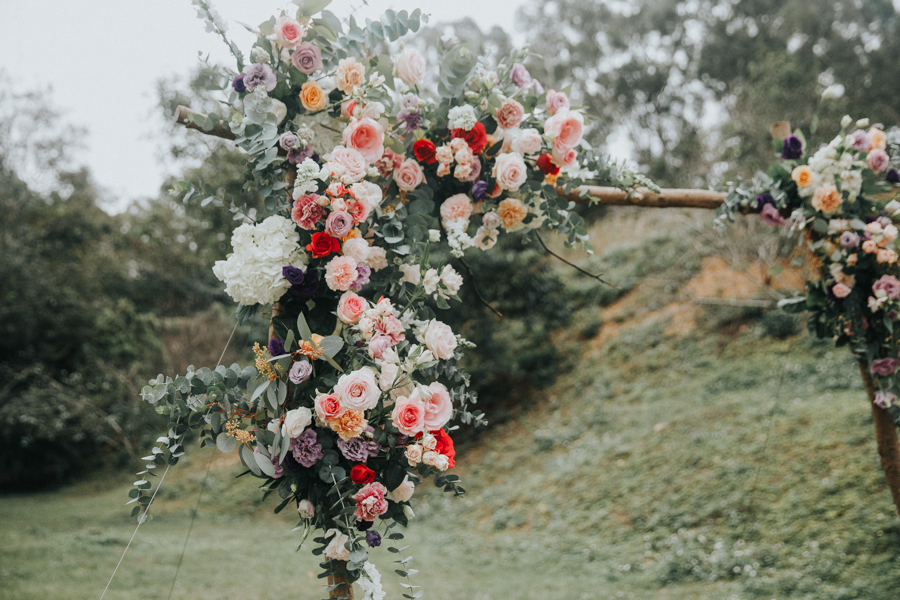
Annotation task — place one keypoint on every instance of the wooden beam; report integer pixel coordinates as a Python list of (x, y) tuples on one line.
[(667, 198), (885, 436)]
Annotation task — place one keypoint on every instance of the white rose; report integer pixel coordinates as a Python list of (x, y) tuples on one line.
[(528, 142), (403, 492), (410, 66), (296, 421), (335, 549), (411, 274), (377, 258), (357, 248), (440, 340)]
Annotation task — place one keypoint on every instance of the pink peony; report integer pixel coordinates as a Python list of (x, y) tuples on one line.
[(391, 327), (339, 224), (366, 136), (556, 101), (409, 175), (456, 207), (409, 415), (438, 408), (566, 126), (890, 286), (351, 308), (307, 212), (340, 273), (351, 160), (510, 171), (358, 390), (328, 406), (370, 502), (410, 66), (878, 160), (510, 114), (288, 31)]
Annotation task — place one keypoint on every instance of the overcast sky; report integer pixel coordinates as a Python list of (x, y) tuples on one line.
[(103, 57)]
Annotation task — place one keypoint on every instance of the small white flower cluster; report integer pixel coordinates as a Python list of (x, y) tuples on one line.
[(370, 583), (462, 117), (253, 273), (457, 238)]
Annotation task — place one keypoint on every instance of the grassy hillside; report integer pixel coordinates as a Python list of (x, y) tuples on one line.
[(688, 450)]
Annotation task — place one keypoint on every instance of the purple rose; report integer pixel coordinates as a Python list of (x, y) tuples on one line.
[(363, 276), (238, 84), (276, 347), (479, 189), (288, 140), (307, 58), (293, 275), (338, 224), (361, 448), (859, 140), (308, 288), (259, 74), (520, 75), (893, 176), (305, 449), (888, 284), (884, 366), (883, 400), (849, 239), (373, 539), (298, 155), (300, 371), (770, 216), (793, 148)]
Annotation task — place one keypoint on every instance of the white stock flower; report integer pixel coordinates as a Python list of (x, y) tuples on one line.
[(370, 583)]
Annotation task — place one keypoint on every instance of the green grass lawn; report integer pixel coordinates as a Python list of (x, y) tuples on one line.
[(660, 467)]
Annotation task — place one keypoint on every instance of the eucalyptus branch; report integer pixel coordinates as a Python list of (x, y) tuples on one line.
[(571, 264)]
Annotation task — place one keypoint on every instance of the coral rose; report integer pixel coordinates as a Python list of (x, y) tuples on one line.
[(567, 128), (288, 31), (312, 96), (328, 406), (366, 136), (409, 175), (827, 199), (350, 73), (408, 415), (456, 207), (438, 408), (340, 273)]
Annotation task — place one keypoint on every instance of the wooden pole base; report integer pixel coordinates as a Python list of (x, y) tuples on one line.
[(344, 589), (886, 436)]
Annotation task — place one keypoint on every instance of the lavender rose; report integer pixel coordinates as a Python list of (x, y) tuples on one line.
[(238, 84), (888, 284), (305, 450), (300, 371), (792, 148), (288, 140), (294, 275), (307, 58), (259, 74), (884, 366), (849, 239), (339, 224)]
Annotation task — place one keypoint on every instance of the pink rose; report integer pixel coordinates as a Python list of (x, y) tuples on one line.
[(378, 345), (440, 340), (328, 406), (366, 136), (839, 290), (410, 66), (359, 209), (438, 408), (409, 415), (510, 171), (556, 101), (307, 58), (288, 31), (456, 207), (510, 114), (351, 160), (409, 175), (338, 224), (358, 390), (351, 307), (564, 157), (566, 126), (878, 160), (370, 502), (340, 273), (307, 212)]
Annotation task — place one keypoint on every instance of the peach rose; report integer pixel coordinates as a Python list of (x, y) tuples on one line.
[(511, 212), (438, 408), (567, 127), (350, 73), (869, 247), (409, 415), (409, 175), (456, 207), (358, 390), (312, 96), (340, 273), (351, 307), (877, 139), (510, 114), (351, 160), (288, 31), (440, 340), (802, 176), (510, 171), (827, 199), (328, 406), (410, 66), (350, 424), (366, 136)]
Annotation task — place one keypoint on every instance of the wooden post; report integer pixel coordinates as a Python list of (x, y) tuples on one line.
[(886, 436), (344, 589)]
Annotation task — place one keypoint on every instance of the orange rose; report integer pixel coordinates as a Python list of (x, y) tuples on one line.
[(802, 176), (312, 96), (827, 199)]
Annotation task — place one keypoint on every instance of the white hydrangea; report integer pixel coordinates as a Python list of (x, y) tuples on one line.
[(370, 583), (462, 117), (252, 274)]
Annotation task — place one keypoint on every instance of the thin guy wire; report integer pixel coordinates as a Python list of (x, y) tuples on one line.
[(142, 518)]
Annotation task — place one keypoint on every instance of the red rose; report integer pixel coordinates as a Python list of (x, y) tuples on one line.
[(545, 164), (444, 446), (323, 244), (424, 151), (362, 475), (475, 137)]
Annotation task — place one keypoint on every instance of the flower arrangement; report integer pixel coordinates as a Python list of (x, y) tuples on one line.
[(843, 200), (362, 172)]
